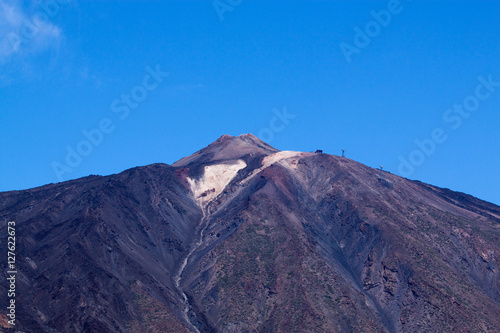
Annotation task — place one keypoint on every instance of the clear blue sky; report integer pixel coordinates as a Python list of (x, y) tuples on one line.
[(232, 66)]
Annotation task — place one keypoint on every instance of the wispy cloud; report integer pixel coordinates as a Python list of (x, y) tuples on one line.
[(27, 30)]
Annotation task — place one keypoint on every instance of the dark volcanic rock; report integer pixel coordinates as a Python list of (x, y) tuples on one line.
[(240, 237)]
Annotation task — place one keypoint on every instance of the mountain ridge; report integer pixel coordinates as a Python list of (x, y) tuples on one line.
[(284, 242)]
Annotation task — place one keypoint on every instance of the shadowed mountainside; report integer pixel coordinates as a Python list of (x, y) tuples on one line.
[(241, 237)]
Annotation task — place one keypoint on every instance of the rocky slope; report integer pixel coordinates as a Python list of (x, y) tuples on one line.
[(241, 237)]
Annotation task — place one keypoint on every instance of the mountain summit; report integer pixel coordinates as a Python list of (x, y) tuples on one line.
[(227, 148), (241, 237)]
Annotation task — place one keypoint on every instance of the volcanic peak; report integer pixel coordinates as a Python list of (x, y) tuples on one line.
[(229, 147)]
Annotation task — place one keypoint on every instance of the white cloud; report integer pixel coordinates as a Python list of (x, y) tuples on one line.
[(25, 31)]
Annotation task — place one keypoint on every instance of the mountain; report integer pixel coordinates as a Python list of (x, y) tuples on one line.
[(241, 237)]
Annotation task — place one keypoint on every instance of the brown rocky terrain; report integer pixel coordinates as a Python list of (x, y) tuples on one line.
[(241, 237)]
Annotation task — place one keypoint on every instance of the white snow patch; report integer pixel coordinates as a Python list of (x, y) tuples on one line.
[(287, 158), (215, 178), (282, 155)]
